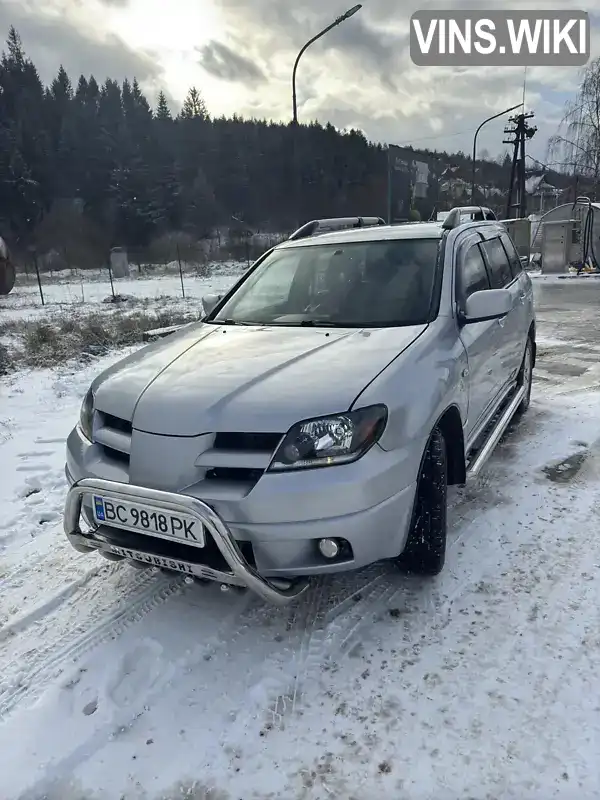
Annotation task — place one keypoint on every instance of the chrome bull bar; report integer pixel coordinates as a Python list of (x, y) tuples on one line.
[(278, 592)]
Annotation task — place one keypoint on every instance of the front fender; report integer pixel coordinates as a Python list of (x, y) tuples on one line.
[(420, 385)]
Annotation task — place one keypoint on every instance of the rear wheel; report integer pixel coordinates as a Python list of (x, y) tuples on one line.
[(525, 376), (425, 551)]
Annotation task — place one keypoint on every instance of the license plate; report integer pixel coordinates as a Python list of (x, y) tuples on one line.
[(148, 519)]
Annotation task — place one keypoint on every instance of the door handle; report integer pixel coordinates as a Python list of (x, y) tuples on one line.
[(523, 297)]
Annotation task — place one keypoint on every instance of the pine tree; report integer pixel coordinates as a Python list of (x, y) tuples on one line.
[(15, 48), (62, 88), (139, 100), (200, 204), (82, 89), (93, 93), (26, 166), (194, 106), (163, 112)]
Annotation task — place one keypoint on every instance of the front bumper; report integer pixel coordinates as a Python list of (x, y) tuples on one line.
[(279, 521), (240, 573)]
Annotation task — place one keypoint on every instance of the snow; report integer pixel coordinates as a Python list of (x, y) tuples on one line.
[(119, 683), (69, 292), (570, 276)]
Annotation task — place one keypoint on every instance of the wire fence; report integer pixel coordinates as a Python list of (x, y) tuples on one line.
[(177, 270)]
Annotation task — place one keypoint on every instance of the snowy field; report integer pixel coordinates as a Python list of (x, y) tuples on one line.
[(71, 293), (482, 683)]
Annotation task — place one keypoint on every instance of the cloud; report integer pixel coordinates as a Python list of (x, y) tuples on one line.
[(52, 35), (221, 61), (361, 73)]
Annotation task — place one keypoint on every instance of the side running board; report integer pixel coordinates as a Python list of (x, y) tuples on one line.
[(492, 439)]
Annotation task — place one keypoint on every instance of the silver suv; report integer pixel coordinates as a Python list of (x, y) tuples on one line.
[(312, 421)]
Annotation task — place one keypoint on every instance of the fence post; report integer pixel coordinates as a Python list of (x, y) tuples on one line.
[(247, 252), (67, 262), (39, 280), (110, 275), (180, 271)]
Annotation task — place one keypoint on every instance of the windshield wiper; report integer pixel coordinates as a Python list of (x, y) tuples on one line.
[(312, 323), (318, 323), (230, 322)]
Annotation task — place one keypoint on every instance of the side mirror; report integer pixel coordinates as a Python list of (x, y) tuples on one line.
[(487, 305), (210, 302)]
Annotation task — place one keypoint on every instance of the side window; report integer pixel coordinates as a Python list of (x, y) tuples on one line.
[(500, 272), (472, 274), (513, 257)]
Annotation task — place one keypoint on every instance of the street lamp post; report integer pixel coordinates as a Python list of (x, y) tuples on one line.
[(485, 121), (334, 24), (296, 178)]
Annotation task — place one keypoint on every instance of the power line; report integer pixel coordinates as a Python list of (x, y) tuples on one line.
[(468, 132), (437, 136)]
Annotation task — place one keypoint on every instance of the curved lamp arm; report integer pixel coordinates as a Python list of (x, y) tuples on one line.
[(485, 122), (334, 24)]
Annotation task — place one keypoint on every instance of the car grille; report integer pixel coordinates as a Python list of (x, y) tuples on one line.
[(232, 457), (114, 437), (238, 457)]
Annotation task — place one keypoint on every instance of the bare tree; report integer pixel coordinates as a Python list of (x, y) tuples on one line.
[(576, 145)]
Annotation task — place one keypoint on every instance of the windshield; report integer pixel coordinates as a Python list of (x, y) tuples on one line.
[(360, 284)]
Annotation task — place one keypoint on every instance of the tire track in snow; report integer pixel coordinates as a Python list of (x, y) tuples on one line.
[(51, 604), (144, 593), (346, 599), (330, 621)]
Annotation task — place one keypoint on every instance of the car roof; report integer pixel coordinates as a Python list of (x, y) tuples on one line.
[(374, 233)]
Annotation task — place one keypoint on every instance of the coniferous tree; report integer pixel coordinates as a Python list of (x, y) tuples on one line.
[(194, 106), (163, 112), (135, 174)]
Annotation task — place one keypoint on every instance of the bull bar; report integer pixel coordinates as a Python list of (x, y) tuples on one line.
[(278, 592)]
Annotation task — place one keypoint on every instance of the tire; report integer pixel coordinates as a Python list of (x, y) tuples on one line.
[(425, 551), (7, 277), (525, 377)]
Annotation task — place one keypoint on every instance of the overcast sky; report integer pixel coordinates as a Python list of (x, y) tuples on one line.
[(240, 54)]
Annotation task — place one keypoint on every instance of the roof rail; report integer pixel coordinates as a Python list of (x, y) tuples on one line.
[(318, 226), (457, 216)]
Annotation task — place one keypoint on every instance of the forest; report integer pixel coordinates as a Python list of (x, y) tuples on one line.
[(91, 166)]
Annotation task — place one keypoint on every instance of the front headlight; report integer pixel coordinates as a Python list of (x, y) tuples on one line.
[(86, 415), (331, 440)]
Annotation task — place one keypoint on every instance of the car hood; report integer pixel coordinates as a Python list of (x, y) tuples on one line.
[(208, 378)]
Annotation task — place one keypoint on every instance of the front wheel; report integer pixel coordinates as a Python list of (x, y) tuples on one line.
[(425, 551)]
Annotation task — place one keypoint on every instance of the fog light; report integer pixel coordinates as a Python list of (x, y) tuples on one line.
[(329, 548)]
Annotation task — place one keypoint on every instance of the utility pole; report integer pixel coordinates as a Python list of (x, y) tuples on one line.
[(516, 205)]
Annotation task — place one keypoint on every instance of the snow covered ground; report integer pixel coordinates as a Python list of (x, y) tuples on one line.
[(482, 683), (570, 276), (87, 292)]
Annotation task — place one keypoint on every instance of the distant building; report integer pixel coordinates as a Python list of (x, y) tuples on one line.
[(546, 194)]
